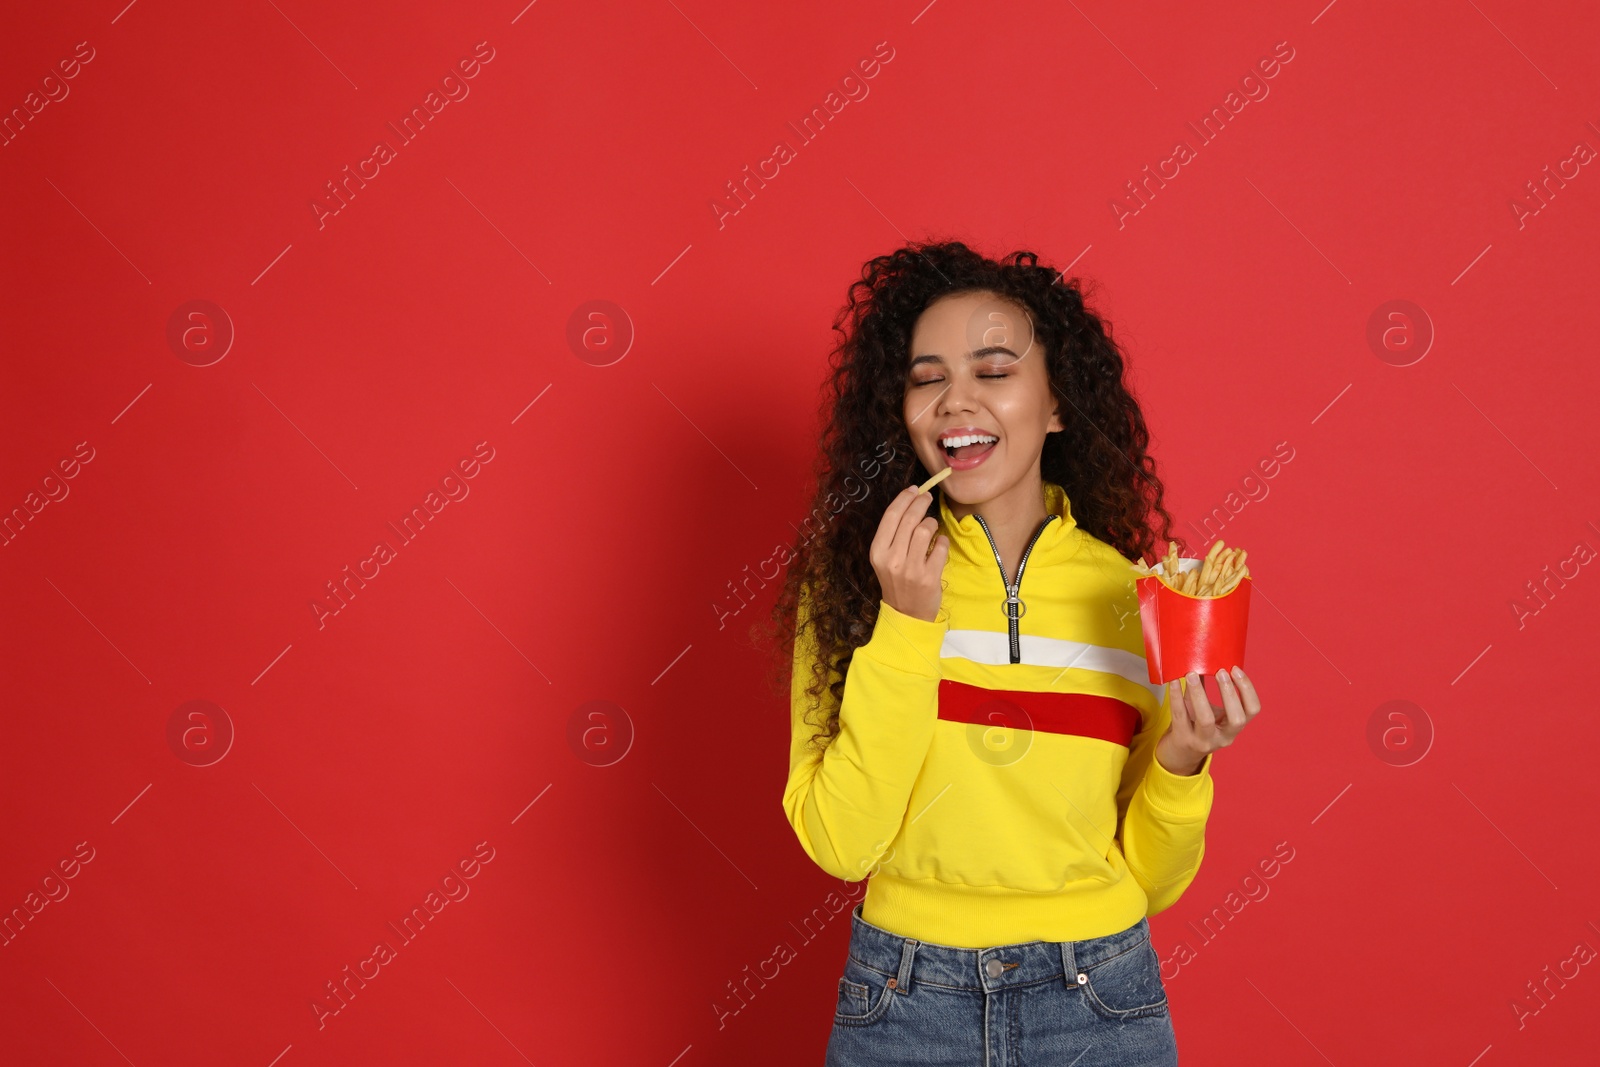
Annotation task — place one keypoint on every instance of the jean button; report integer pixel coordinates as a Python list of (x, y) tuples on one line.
[(1083, 979), (993, 968)]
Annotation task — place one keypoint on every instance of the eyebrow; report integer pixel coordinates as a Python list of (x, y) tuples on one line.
[(981, 353)]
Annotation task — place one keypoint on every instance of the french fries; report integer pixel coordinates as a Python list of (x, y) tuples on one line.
[(1219, 573), (935, 480)]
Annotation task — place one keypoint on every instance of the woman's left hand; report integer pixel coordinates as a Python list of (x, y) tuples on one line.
[(1200, 727)]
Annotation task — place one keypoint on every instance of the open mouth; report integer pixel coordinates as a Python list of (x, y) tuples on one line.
[(968, 450)]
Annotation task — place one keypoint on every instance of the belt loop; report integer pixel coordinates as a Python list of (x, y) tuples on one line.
[(908, 949), (1069, 965)]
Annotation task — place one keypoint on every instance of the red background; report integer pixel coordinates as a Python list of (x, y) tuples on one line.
[(447, 703)]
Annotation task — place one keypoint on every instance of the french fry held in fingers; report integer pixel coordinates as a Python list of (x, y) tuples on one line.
[(935, 480)]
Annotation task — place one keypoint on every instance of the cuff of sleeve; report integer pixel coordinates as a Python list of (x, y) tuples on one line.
[(1179, 793), (908, 643)]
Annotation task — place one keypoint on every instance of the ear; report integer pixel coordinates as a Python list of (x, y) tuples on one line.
[(1056, 425)]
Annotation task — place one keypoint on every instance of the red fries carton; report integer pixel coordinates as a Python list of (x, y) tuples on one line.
[(1184, 633)]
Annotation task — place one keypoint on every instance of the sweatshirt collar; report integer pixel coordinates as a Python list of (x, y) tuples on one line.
[(968, 540)]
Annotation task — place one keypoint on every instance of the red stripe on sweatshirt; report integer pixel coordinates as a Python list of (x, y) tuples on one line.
[(1083, 714)]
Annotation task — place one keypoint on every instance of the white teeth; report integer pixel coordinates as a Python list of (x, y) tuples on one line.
[(969, 439)]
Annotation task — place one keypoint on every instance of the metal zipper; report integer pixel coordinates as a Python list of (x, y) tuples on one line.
[(1013, 606)]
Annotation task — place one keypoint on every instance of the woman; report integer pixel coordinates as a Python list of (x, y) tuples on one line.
[(973, 725)]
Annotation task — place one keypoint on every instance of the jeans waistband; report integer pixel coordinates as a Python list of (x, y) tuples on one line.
[(908, 960)]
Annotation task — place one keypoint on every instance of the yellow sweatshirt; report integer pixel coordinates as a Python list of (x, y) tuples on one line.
[(994, 770)]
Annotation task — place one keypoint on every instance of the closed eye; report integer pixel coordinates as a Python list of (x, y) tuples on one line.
[(930, 381)]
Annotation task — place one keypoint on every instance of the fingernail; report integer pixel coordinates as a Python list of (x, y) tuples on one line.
[(1194, 677), (1238, 673), (1222, 677)]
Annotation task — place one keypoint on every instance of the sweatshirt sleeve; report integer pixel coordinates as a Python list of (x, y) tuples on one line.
[(1161, 816), (847, 804)]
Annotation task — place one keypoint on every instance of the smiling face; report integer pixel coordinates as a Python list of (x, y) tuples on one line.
[(975, 371)]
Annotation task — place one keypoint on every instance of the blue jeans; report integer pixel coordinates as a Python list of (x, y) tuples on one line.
[(1093, 1003)]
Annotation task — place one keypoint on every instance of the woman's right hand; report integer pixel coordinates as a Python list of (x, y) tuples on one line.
[(910, 576)]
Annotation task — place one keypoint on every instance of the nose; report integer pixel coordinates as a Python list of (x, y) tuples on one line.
[(957, 395)]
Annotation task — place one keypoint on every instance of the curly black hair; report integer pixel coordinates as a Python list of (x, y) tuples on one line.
[(1099, 459)]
